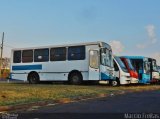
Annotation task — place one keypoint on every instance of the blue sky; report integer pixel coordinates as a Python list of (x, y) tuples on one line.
[(132, 27)]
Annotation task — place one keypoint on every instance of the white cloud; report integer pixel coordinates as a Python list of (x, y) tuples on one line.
[(151, 33), (117, 46), (141, 46)]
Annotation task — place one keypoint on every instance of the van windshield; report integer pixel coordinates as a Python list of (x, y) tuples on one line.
[(123, 67), (130, 64)]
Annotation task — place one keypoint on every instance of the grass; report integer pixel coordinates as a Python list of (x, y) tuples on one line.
[(13, 94)]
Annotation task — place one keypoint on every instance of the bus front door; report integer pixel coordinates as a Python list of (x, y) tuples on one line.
[(94, 65)]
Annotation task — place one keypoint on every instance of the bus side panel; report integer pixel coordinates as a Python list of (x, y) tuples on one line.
[(59, 70), (146, 78), (19, 76), (59, 76), (53, 76)]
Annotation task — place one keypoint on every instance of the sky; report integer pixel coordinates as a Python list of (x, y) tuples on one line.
[(131, 27)]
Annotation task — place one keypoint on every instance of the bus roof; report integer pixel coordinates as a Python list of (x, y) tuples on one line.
[(138, 57), (134, 57), (100, 43)]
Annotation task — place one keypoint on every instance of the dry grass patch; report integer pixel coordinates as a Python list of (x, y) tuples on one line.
[(13, 94)]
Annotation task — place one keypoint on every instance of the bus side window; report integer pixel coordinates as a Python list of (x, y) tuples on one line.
[(27, 56), (76, 53), (41, 55), (58, 54), (17, 57)]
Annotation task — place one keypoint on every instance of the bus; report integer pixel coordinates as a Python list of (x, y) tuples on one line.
[(142, 66), (154, 73), (121, 72), (75, 63), (131, 70)]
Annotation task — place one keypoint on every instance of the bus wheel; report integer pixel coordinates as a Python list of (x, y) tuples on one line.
[(33, 78), (75, 78)]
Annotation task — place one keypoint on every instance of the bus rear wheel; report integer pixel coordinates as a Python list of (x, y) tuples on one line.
[(75, 78), (33, 78)]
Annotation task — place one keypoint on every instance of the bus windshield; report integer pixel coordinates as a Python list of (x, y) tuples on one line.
[(154, 65), (146, 67), (130, 64), (106, 57), (123, 67)]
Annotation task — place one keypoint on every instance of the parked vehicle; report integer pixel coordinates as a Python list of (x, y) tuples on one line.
[(74, 63), (131, 70), (158, 70), (142, 66), (158, 67), (154, 74), (121, 72)]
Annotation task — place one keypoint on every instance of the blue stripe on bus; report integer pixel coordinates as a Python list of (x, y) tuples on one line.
[(27, 67), (105, 76)]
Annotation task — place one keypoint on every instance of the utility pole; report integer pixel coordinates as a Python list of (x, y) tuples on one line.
[(1, 55)]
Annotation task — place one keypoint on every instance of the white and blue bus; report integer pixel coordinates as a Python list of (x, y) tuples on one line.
[(74, 63)]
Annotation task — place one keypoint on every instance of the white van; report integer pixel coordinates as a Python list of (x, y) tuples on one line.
[(121, 72)]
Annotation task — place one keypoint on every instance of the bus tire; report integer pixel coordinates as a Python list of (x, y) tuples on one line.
[(75, 78), (33, 78)]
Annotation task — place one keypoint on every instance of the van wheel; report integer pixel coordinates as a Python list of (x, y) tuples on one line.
[(33, 78), (75, 78), (115, 82)]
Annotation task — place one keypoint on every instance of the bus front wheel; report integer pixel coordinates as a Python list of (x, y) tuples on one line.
[(33, 78), (75, 78)]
